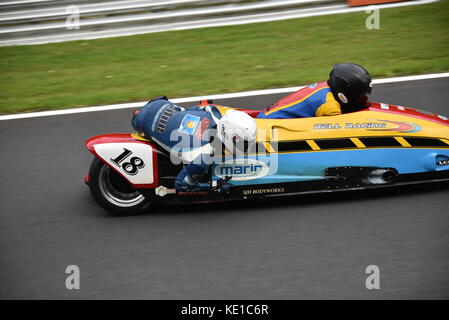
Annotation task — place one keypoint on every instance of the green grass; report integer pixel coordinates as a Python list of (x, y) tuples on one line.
[(412, 40)]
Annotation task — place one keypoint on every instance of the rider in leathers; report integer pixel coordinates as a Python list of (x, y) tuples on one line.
[(347, 90), (189, 135)]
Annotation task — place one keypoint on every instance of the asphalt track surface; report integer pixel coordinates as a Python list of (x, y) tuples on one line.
[(300, 248)]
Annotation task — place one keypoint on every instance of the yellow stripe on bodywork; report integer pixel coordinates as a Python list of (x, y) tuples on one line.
[(358, 143), (446, 141), (222, 109), (295, 102), (403, 142), (139, 137), (313, 145), (268, 146)]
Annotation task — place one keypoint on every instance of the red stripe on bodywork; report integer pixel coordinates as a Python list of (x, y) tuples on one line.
[(374, 106), (124, 137)]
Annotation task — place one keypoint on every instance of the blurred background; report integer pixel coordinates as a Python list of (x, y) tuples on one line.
[(254, 45)]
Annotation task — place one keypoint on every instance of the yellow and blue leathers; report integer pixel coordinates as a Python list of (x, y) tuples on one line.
[(315, 100)]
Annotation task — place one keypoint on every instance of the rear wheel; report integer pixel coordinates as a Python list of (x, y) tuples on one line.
[(113, 192)]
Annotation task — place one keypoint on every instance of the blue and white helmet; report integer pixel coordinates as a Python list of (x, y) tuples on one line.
[(237, 130)]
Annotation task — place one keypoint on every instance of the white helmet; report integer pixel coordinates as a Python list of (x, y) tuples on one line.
[(236, 129)]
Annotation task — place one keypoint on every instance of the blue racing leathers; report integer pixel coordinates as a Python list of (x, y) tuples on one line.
[(185, 133)]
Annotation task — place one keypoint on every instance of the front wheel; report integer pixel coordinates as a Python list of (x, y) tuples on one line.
[(113, 192)]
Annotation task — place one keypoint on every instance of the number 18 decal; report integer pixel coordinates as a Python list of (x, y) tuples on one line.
[(131, 167)]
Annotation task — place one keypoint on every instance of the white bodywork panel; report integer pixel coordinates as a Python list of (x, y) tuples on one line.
[(133, 160)]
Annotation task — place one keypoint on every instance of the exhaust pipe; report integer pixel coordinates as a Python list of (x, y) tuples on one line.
[(382, 176)]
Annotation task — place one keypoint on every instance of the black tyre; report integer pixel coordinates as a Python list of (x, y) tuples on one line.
[(113, 192)]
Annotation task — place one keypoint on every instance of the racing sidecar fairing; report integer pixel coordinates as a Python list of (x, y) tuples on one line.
[(383, 145)]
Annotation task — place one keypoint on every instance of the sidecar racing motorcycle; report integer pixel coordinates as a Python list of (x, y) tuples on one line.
[(382, 145)]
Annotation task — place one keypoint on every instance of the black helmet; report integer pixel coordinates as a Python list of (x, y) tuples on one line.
[(351, 85)]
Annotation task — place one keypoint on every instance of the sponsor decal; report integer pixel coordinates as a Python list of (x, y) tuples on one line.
[(262, 191), (202, 128), (407, 127), (443, 162), (242, 169), (350, 125), (342, 97), (366, 125), (189, 124), (321, 126), (381, 125), (313, 85)]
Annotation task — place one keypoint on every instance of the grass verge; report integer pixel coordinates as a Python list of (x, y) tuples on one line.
[(412, 40)]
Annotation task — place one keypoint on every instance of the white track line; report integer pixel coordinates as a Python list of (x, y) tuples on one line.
[(199, 98)]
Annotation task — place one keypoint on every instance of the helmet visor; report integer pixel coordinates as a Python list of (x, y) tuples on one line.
[(362, 99)]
